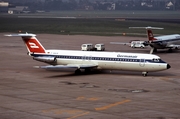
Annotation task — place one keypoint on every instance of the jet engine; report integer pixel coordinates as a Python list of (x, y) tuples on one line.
[(163, 43), (145, 43), (45, 59)]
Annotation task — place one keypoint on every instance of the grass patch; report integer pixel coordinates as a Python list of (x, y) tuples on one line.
[(81, 26)]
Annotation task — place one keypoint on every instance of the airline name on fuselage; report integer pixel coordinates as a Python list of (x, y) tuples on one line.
[(127, 56)]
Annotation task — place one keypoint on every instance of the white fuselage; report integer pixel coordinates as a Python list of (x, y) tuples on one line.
[(167, 41), (107, 60), (88, 60)]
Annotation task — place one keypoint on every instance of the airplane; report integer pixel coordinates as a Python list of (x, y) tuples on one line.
[(88, 60), (161, 42)]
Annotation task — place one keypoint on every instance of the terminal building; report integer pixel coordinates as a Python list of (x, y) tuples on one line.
[(4, 7)]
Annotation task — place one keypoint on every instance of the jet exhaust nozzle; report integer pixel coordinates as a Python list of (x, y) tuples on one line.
[(45, 59)]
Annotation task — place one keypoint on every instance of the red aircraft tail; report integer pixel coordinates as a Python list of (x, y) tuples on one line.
[(31, 42), (150, 35)]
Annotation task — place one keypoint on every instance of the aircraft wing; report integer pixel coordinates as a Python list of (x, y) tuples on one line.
[(173, 46), (77, 66), (120, 43)]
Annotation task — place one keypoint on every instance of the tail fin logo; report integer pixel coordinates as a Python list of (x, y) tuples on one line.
[(31, 42), (33, 45), (150, 35)]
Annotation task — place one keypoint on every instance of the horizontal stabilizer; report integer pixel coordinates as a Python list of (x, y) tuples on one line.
[(31, 42), (22, 35), (149, 27)]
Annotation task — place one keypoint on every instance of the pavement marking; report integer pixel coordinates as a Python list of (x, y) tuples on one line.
[(90, 99), (80, 98), (93, 99), (79, 115), (111, 105)]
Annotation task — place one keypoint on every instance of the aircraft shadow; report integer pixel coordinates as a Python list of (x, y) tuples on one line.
[(166, 51), (72, 74), (108, 72)]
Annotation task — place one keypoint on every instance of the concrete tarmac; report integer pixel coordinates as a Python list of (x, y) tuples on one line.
[(29, 93)]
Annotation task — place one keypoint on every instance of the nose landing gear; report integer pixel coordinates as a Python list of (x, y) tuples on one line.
[(144, 73)]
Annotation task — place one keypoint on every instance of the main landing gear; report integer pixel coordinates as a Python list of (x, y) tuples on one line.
[(144, 73), (77, 71), (87, 71), (153, 50), (170, 50)]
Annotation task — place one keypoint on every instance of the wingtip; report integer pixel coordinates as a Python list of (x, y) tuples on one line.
[(7, 35), (37, 67)]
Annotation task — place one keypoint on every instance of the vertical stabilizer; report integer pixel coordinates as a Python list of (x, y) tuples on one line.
[(150, 35), (31, 42)]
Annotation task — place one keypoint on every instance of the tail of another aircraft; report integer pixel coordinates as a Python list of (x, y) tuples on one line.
[(150, 35), (31, 42)]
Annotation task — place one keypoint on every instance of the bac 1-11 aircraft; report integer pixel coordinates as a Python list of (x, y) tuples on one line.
[(89, 60), (160, 42)]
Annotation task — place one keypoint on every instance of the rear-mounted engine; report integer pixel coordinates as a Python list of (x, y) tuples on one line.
[(45, 59)]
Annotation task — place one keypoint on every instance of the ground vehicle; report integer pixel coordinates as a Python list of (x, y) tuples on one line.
[(133, 43), (137, 44), (87, 47), (99, 47)]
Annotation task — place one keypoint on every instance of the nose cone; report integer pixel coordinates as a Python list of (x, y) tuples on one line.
[(168, 66)]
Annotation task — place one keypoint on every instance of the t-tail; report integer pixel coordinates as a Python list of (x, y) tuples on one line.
[(31, 42), (34, 47), (150, 35)]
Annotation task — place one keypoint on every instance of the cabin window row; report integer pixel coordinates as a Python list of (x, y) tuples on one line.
[(98, 58)]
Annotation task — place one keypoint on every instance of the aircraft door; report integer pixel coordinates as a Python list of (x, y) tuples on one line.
[(83, 58), (142, 62), (86, 58)]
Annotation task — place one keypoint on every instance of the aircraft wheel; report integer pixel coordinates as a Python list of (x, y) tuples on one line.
[(78, 71), (87, 71), (155, 50), (144, 74), (170, 50)]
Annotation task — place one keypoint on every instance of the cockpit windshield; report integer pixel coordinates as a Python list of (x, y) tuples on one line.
[(156, 59)]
